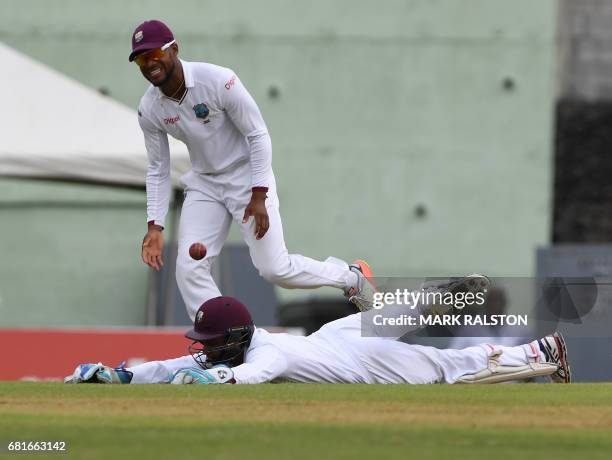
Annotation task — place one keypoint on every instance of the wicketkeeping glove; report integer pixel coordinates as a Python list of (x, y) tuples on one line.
[(98, 373), (189, 375)]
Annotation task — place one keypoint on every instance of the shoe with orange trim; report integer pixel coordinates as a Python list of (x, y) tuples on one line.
[(362, 295)]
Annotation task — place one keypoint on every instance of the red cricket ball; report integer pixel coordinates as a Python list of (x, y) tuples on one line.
[(197, 251)]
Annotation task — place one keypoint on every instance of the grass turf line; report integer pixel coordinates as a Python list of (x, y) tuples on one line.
[(312, 421)]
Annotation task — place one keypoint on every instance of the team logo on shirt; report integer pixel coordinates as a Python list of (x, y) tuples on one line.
[(201, 111)]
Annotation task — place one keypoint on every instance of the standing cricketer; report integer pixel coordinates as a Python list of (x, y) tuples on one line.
[(208, 108)]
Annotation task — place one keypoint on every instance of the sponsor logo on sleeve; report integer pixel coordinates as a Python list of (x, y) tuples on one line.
[(172, 120), (230, 83)]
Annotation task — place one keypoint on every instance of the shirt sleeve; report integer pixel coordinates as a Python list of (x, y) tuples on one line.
[(263, 364), (159, 371), (244, 113), (158, 180)]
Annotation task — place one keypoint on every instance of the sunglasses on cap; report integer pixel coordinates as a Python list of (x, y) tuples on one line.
[(156, 54)]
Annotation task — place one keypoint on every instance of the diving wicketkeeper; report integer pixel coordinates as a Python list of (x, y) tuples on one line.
[(227, 348)]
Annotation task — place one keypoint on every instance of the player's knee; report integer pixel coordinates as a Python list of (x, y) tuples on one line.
[(188, 269), (274, 273)]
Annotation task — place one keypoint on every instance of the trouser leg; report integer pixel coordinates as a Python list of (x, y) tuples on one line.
[(272, 259), (207, 221)]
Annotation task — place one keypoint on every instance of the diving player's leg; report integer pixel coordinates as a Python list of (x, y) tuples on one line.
[(544, 357), (397, 362), (204, 220)]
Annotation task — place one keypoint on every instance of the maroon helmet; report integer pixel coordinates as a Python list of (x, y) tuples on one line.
[(150, 35), (225, 322)]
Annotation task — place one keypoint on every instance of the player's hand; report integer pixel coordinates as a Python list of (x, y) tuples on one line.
[(152, 246), (98, 373), (197, 375), (257, 209)]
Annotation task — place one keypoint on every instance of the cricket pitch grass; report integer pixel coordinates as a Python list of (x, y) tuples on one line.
[(290, 421)]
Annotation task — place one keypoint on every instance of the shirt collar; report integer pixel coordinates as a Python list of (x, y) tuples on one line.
[(187, 75)]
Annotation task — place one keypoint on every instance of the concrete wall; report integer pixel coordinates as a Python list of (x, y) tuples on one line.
[(414, 133), (69, 255), (583, 165), (585, 49)]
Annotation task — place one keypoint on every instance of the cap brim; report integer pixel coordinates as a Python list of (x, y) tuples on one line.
[(144, 48), (194, 335)]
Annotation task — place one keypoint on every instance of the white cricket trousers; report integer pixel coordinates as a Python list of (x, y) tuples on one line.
[(387, 360), (211, 202)]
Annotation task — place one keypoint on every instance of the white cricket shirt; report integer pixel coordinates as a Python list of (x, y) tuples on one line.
[(218, 121), (311, 359)]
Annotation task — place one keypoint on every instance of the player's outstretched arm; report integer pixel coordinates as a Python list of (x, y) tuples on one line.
[(158, 188), (98, 373), (197, 375)]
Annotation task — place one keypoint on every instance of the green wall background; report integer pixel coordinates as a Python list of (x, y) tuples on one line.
[(70, 255), (382, 107)]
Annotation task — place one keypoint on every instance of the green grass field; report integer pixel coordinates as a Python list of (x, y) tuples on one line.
[(293, 422)]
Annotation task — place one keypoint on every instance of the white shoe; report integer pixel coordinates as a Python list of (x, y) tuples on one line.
[(363, 294), (554, 349)]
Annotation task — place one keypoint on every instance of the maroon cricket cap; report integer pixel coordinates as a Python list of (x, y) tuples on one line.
[(216, 316), (150, 35)]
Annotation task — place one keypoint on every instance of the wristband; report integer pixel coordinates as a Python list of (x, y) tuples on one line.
[(152, 223)]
